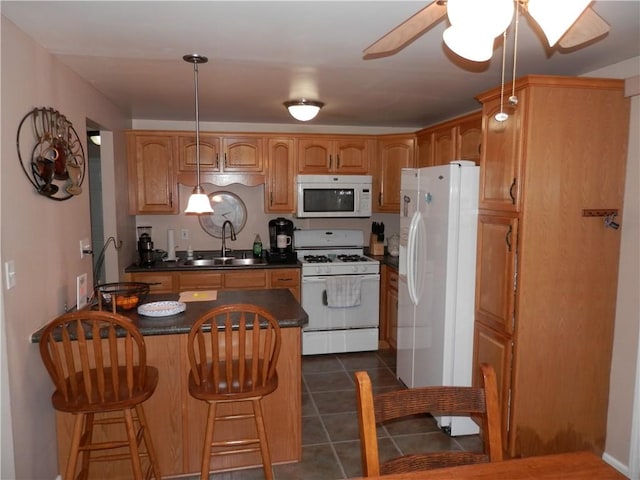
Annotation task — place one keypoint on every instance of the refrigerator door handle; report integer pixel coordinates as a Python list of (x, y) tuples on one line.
[(412, 255)]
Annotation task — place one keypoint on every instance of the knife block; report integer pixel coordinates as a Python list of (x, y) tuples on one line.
[(375, 247)]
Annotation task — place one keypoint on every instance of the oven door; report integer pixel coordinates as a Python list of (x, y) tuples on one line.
[(323, 317)]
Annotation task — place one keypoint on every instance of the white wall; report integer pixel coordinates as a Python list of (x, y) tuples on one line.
[(623, 445), (42, 237)]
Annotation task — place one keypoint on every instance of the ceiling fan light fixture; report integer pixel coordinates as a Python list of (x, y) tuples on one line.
[(488, 18), (555, 17), (303, 109), (469, 45)]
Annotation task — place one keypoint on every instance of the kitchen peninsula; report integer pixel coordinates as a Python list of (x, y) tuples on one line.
[(177, 421)]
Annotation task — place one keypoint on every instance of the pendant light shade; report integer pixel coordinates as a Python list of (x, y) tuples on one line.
[(303, 110), (198, 201), (556, 17)]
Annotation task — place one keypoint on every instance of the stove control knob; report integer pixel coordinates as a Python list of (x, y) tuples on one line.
[(355, 268), (327, 270), (318, 270)]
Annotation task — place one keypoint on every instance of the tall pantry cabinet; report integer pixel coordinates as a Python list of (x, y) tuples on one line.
[(547, 263)]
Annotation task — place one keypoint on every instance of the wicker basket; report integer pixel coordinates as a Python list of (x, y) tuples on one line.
[(120, 296)]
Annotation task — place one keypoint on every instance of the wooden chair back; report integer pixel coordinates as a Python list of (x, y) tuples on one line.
[(233, 351), (90, 366), (474, 401)]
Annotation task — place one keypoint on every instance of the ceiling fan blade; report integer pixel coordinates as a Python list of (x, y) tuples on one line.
[(406, 32), (589, 25)]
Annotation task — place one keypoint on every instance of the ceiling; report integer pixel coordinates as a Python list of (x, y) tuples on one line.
[(262, 53)]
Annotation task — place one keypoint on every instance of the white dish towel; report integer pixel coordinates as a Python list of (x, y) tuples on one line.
[(343, 291)]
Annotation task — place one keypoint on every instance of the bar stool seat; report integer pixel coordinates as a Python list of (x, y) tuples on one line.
[(233, 351), (102, 379)]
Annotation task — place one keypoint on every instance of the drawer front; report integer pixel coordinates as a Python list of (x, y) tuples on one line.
[(200, 281), (161, 282), (285, 278), (245, 279)]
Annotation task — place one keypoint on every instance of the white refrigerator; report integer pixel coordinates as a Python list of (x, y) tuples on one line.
[(436, 292)]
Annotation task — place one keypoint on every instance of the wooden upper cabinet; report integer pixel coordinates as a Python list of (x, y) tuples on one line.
[(209, 153), (242, 154), (457, 139), (280, 183), (469, 138), (322, 155), (502, 169), (424, 149), (395, 152), (221, 153), (153, 188)]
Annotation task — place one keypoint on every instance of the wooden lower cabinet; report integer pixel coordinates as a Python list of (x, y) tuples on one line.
[(388, 307), (240, 279), (177, 421), (494, 348)]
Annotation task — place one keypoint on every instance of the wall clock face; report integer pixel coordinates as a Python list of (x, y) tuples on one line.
[(226, 206)]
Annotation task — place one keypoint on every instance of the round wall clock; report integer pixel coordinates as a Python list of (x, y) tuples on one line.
[(226, 206)]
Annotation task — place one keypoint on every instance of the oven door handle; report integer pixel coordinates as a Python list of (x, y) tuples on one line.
[(325, 302)]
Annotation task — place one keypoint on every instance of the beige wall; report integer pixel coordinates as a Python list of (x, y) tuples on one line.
[(42, 237), (624, 404)]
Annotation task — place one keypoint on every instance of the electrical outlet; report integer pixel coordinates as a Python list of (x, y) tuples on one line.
[(85, 247), (184, 234)]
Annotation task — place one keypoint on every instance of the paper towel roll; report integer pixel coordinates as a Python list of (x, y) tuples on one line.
[(171, 245)]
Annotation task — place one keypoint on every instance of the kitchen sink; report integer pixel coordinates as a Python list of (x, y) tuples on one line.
[(224, 262)]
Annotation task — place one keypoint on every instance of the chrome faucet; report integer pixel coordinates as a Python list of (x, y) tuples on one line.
[(233, 236)]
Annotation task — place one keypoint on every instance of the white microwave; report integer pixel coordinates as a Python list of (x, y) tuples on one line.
[(333, 196)]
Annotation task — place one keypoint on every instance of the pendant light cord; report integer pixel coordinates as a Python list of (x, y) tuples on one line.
[(195, 77), (504, 56), (513, 99)]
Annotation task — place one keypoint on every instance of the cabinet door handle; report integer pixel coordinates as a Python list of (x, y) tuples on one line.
[(508, 238), (224, 164), (380, 199), (217, 161), (337, 161), (271, 199), (511, 190), (330, 161)]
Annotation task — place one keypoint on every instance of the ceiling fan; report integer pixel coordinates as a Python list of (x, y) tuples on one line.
[(584, 25)]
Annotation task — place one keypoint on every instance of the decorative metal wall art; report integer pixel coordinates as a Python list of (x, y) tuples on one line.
[(54, 163)]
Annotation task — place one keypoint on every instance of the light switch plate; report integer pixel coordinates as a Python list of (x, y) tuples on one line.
[(85, 247), (10, 274), (81, 291)]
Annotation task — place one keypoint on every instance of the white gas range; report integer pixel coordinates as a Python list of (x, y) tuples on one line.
[(340, 291)]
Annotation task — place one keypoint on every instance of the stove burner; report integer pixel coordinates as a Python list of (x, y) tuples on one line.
[(317, 259), (352, 258)]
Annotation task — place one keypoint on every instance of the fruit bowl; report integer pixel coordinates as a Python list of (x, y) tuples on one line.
[(121, 296)]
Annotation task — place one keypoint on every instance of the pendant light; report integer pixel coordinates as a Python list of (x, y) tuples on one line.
[(198, 201)]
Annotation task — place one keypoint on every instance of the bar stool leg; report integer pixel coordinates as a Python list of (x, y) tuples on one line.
[(75, 445), (86, 439), (262, 435), (148, 442), (133, 444), (208, 439)]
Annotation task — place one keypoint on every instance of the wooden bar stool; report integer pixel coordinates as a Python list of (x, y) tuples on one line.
[(233, 351), (95, 372)]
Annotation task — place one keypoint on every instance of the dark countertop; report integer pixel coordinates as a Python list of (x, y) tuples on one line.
[(280, 302), (387, 260), (178, 265)]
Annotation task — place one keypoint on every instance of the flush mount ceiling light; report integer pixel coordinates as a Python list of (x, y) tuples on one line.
[(95, 138), (198, 201), (303, 109)]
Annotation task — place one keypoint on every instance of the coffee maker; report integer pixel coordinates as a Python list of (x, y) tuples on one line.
[(145, 246), (281, 241)]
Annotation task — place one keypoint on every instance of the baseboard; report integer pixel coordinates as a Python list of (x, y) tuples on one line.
[(615, 463)]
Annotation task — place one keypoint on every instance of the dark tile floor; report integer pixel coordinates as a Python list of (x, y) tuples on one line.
[(330, 445)]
